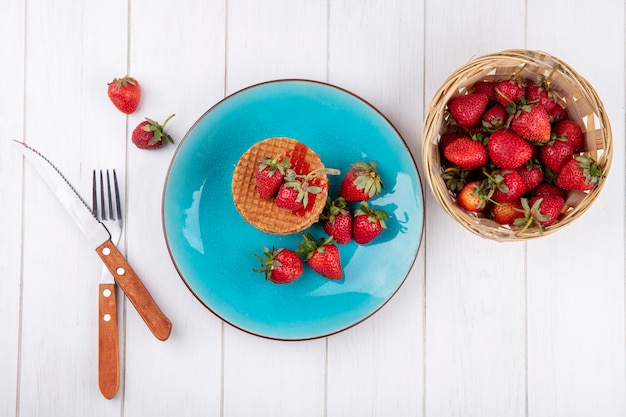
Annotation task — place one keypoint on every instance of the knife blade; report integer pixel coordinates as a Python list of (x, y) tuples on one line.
[(99, 238)]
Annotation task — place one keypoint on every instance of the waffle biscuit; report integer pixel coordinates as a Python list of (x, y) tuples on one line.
[(265, 215)]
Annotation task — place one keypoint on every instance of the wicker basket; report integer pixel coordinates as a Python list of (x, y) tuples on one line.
[(574, 93)]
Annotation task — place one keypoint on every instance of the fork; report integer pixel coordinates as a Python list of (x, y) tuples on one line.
[(108, 210)]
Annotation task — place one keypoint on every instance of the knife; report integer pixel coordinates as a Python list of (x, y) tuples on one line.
[(99, 238)]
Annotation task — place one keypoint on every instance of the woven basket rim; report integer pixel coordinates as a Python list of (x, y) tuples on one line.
[(573, 89)]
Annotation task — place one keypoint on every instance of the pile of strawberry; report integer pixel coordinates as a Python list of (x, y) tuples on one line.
[(511, 152), (360, 184)]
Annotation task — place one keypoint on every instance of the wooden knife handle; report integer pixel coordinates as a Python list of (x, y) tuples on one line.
[(108, 346), (135, 291)]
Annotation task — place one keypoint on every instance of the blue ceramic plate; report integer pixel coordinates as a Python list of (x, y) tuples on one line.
[(213, 247)]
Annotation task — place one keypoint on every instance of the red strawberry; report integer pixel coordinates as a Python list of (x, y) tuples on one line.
[(150, 134), (569, 130), (531, 173), (532, 122), (579, 173), (557, 113), (509, 92), (337, 220), (507, 149), (293, 194), (467, 109), (322, 256), (368, 223), (125, 93), (542, 95), (494, 118), (280, 266), (506, 213), (555, 154), (270, 175), (467, 153), (546, 208), (448, 138), (488, 88), (540, 212), (361, 182), (505, 186), (473, 198), (545, 189)]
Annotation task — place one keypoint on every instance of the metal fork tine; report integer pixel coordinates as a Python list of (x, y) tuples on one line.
[(94, 195), (102, 201), (118, 204), (110, 197)]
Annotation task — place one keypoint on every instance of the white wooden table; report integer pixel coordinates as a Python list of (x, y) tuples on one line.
[(479, 328)]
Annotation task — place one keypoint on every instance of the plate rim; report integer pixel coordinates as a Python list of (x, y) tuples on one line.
[(279, 81)]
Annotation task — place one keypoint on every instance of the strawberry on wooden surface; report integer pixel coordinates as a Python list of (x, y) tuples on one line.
[(337, 220), (368, 223), (125, 94), (270, 175), (149, 134), (362, 182), (280, 266), (322, 256)]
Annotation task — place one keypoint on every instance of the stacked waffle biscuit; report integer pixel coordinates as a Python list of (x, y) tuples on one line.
[(265, 215)]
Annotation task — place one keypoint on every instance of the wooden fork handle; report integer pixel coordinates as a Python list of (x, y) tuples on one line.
[(108, 345), (135, 291)]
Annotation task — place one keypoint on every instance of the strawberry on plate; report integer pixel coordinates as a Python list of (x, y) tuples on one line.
[(368, 223), (362, 182), (337, 220), (125, 94), (149, 134), (280, 266), (322, 256), (270, 175)]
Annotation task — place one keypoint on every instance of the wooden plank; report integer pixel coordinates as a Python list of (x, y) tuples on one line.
[(177, 53), (575, 279), (11, 117), (376, 368), (277, 39), (58, 374), (475, 288)]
